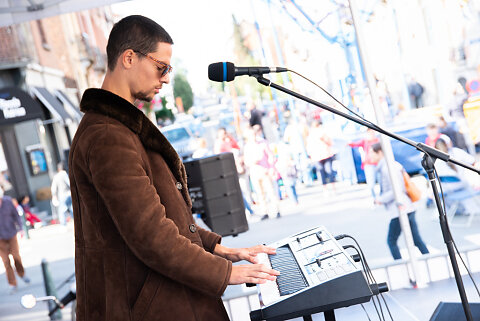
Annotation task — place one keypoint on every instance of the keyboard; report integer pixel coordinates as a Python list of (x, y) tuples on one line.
[(316, 275)]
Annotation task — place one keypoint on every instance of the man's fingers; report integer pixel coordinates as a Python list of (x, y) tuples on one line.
[(252, 273), (263, 268), (255, 280), (261, 249)]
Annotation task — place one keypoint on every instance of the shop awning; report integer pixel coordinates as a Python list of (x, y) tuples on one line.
[(68, 105), (52, 104), (17, 106), (16, 11)]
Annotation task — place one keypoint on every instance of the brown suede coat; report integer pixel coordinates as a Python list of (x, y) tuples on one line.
[(138, 253)]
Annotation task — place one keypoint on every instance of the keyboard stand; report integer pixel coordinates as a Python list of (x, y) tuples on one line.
[(329, 316)]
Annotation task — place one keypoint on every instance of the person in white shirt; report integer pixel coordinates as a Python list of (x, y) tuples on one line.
[(61, 197)]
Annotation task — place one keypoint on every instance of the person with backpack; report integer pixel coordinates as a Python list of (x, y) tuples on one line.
[(387, 198)]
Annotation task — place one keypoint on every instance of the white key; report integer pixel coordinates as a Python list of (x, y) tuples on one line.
[(268, 291)]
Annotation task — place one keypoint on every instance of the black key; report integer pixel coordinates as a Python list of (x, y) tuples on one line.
[(291, 278)]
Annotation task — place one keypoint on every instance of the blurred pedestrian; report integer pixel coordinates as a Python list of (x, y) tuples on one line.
[(225, 143), (455, 136), (260, 162), (295, 135), (459, 98), (10, 225), (61, 197), (255, 115), (32, 219), (201, 150), (455, 179), (288, 171), (433, 133), (387, 198), (368, 164), (319, 148), (415, 90)]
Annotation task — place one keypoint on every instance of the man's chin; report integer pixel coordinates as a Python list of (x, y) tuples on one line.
[(144, 97)]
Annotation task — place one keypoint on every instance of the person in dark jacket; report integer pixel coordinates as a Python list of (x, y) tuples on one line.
[(10, 225), (138, 253)]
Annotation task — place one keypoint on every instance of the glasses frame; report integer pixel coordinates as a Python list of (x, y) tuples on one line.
[(167, 68)]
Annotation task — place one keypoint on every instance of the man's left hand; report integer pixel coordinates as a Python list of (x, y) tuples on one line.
[(238, 254)]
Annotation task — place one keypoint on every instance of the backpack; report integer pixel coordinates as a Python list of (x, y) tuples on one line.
[(412, 190)]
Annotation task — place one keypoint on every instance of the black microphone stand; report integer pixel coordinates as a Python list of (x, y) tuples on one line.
[(429, 157)]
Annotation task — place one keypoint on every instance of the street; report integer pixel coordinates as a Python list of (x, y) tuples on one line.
[(348, 210)]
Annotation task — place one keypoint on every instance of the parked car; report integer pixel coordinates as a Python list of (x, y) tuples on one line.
[(181, 139)]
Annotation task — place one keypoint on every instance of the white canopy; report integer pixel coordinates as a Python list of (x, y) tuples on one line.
[(16, 11)]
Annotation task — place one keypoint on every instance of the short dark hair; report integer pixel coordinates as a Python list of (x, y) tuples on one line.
[(134, 32), (377, 147)]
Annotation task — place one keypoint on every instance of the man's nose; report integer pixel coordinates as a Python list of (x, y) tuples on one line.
[(165, 79)]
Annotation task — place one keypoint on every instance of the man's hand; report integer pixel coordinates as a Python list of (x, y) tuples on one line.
[(238, 254), (252, 273)]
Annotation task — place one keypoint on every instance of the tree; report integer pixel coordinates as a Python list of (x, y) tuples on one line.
[(244, 57), (182, 89), (164, 113)]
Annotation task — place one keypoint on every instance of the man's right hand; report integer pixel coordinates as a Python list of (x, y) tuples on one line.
[(252, 273)]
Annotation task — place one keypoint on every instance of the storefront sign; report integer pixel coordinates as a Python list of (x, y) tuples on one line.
[(12, 108), (16, 106)]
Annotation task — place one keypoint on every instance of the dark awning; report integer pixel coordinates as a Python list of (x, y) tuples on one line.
[(17, 106), (68, 105), (52, 104)]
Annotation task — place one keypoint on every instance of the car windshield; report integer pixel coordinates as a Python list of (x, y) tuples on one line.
[(176, 134)]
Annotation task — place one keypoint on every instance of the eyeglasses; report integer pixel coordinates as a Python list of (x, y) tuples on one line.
[(165, 69)]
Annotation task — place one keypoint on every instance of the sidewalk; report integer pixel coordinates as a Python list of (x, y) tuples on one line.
[(54, 243), (349, 211)]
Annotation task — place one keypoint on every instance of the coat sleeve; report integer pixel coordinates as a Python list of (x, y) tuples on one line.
[(209, 239), (118, 174)]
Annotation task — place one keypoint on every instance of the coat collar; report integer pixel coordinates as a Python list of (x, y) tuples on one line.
[(114, 106)]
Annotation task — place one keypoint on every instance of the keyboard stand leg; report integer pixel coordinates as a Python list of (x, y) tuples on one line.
[(329, 315)]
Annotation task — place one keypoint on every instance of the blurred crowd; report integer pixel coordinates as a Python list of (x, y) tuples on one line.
[(271, 162)]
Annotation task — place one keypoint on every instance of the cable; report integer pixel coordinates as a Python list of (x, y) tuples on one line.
[(368, 270), (365, 312), (370, 280), (341, 104)]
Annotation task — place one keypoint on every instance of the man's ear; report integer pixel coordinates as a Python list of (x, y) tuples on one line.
[(128, 58)]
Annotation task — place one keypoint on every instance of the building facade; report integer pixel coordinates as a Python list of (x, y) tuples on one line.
[(45, 65)]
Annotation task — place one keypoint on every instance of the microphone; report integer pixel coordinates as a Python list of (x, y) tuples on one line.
[(226, 71)]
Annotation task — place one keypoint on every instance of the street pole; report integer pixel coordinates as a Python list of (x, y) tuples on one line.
[(386, 146)]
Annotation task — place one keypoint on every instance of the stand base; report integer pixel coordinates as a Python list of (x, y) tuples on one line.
[(329, 316), (448, 311)]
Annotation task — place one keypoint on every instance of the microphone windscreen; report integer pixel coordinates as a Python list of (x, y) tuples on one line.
[(221, 71)]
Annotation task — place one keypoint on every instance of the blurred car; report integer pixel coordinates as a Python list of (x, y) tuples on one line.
[(408, 156), (181, 138)]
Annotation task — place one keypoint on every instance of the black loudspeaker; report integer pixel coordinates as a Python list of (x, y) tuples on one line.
[(449, 311), (216, 195)]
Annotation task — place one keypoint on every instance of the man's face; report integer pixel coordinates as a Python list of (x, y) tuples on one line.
[(147, 79)]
